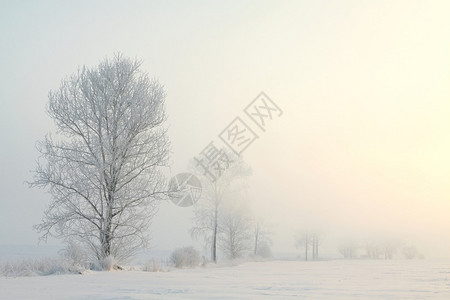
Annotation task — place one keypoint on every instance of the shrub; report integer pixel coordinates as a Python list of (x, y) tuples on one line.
[(35, 267), (75, 256), (410, 252), (264, 250), (185, 257), (153, 265), (108, 263)]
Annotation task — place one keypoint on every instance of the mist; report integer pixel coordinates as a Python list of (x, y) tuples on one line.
[(360, 151)]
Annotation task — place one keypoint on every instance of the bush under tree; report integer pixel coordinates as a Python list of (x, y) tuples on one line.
[(185, 257)]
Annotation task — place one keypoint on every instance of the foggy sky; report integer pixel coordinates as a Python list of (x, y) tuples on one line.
[(362, 148)]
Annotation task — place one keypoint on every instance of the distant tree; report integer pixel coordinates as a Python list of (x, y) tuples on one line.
[(264, 250), (389, 251), (410, 252), (384, 248), (348, 249), (390, 247), (315, 245), (373, 250), (236, 238), (104, 172), (303, 241), (185, 257), (215, 193), (307, 240), (261, 236)]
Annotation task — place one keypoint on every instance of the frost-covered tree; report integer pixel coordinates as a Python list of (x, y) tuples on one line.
[(215, 193), (385, 247), (390, 247), (410, 252), (236, 232), (308, 240), (303, 241), (104, 169), (261, 238), (315, 245), (185, 257), (348, 249), (373, 249)]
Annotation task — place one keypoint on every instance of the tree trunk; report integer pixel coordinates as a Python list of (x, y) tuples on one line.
[(214, 245), (306, 248), (256, 241), (317, 248), (108, 229)]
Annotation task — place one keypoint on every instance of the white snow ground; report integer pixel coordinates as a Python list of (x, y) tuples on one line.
[(337, 279)]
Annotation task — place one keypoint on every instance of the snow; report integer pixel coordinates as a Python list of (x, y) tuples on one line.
[(337, 279)]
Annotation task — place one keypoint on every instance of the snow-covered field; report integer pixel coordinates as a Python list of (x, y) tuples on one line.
[(337, 279)]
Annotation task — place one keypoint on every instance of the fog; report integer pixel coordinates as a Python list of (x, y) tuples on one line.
[(360, 151)]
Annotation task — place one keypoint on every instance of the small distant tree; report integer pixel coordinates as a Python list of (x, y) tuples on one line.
[(185, 257), (373, 250), (315, 245), (389, 251), (264, 250), (348, 249), (307, 240), (304, 241), (262, 240), (384, 248), (390, 247), (103, 172), (216, 193), (410, 252), (235, 240)]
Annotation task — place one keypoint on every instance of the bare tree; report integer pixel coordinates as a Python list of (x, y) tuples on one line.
[(373, 249), (348, 249), (207, 212), (383, 248), (315, 245), (307, 240), (236, 226), (410, 252), (303, 240), (206, 217), (104, 171), (390, 247), (262, 240)]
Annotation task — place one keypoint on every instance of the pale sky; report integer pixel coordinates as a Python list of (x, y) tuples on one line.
[(362, 148)]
